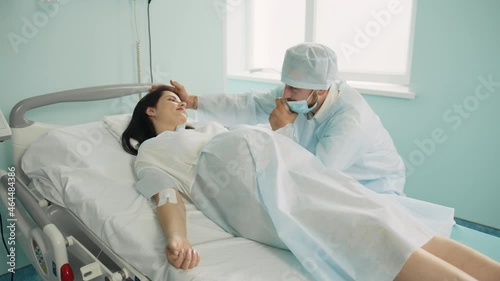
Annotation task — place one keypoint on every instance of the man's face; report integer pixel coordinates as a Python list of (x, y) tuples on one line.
[(295, 94)]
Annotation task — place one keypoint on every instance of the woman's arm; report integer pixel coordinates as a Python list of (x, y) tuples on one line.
[(172, 217)]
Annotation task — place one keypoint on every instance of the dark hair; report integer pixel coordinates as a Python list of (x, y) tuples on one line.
[(141, 127)]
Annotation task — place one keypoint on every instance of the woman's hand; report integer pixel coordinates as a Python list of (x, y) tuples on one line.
[(179, 90), (180, 253)]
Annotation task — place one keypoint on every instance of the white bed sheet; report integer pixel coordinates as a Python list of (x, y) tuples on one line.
[(84, 169)]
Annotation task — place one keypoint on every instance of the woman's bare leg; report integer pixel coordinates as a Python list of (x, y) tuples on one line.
[(423, 265), (465, 258)]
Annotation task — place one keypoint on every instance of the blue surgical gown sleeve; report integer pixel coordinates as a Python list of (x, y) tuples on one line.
[(341, 146), (366, 154), (249, 108)]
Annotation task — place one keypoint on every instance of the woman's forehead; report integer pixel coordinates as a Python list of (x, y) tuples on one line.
[(170, 94)]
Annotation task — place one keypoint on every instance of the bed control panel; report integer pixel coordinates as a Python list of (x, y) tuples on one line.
[(4, 128), (39, 256), (39, 249)]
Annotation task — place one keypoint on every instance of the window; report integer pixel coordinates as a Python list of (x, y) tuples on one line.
[(373, 43)]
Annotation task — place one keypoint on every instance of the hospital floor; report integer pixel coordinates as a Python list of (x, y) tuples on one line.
[(29, 273)]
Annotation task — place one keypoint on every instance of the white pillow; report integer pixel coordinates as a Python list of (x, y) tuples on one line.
[(116, 124), (66, 156)]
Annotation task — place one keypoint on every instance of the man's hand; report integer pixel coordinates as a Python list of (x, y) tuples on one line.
[(180, 253), (281, 115), (179, 90)]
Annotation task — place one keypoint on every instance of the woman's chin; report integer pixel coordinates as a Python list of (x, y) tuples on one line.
[(184, 119)]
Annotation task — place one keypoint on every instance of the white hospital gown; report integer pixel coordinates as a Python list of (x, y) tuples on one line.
[(261, 185), (169, 159)]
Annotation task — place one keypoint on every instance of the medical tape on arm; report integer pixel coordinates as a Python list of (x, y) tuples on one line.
[(152, 181), (167, 195)]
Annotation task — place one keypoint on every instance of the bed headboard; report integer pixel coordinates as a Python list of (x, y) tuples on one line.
[(25, 132)]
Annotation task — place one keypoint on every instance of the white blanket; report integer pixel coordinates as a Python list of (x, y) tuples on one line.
[(311, 209), (84, 169), (263, 186)]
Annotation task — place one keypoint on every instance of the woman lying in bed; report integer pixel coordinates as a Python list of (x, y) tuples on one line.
[(258, 184)]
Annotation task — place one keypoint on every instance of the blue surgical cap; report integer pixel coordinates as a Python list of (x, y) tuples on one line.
[(309, 66)]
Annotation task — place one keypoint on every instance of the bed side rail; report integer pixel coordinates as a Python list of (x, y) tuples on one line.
[(25, 132), (18, 112)]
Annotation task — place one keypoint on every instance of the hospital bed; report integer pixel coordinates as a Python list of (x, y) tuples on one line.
[(79, 217)]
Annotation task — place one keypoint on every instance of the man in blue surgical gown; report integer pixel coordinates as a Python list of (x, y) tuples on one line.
[(317, 110)]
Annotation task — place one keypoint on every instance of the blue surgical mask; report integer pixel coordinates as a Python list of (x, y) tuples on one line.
[(301, 106)]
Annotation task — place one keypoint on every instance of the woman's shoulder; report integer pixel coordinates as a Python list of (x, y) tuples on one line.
[(145, 145), (176, 140), (153, 142), (211, 128)]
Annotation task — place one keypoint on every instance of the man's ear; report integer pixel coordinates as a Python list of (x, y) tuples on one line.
[(150, 111)]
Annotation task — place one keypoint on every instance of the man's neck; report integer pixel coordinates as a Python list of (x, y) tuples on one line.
[(321, 100)]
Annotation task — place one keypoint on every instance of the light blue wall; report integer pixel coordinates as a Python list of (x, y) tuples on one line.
[(47, 48), (455, 43), (90, 43)]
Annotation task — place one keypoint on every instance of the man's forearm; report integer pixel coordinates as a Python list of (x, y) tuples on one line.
[(193, 102)]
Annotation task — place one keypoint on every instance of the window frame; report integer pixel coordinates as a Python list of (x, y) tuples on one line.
[(392, 85)]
